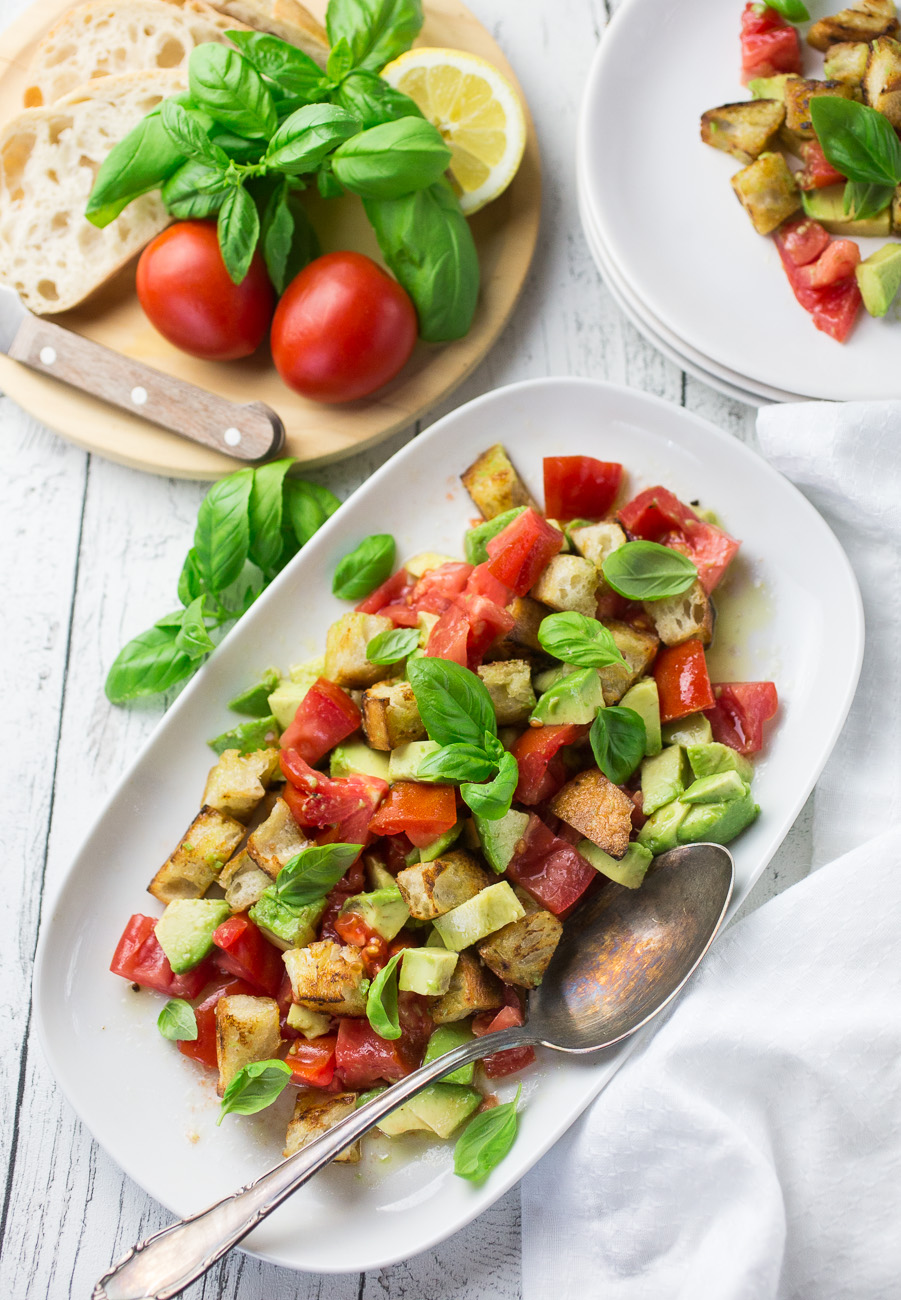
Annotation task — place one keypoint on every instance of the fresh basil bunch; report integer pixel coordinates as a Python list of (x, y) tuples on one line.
[(249, 525), (861, 144), (261, 122)]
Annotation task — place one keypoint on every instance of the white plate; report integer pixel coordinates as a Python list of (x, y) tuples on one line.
[(153, 1110), (669, 220)]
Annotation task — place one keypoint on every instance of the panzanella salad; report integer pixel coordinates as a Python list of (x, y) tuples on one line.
[(390, 844), (822, 156)]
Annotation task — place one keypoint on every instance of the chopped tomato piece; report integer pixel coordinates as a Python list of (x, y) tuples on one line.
[(203, 1047), (392, 592), (436, 589), (818, 170), (420, 811), (363, 1058), (519, 553), (579, 487), (482, 582), (658, 516), (325, 716), (739, 713), (313, 1063), (449, 637), (834, 306), (400, 615), (550, 869), (836, 262), (682, 680), (486, 621), (315, 799), (246, 953), (352, 929), (498, 1064), (804, 240), (140, 959), (769, 45), (539, 770)]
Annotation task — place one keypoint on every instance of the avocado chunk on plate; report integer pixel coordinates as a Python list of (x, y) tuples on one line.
[(489, 910), (827, 206), (644, 699), (286, 926), (384, 911), (707, 759), (573, 699), (717, 822), (879, 279), (628, 870), (427, 971), (499, 838), (444, 1040), (185, 930), (356, 759), (663, 778), (720, 787)]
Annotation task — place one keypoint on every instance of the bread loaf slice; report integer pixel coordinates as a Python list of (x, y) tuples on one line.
[(108, 37), (285, 18), (49, 157)]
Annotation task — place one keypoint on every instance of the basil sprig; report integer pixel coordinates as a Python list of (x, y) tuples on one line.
[(254, 1087), (364, 568), (793, 10), (418, 155), (393, 645), (486, 1140), (863, 201), (858, 141), (312, 872), (249, 526), (177, 1021), (576, 639), (381, 1000), (618, 739), (493, 799), (376, 31), (649, 571), (456, 763)]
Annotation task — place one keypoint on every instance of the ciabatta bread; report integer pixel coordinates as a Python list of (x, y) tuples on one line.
[(285, 18)]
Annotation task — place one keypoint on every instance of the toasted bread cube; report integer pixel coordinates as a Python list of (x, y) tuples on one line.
[(744, 129), (432, 888), (238, 781), (596, 541), (864, 21), (847, 61), (882, 79), (767, 191), (598, 808), (494, 484), (568, 582), (315, 1112), (509, 683), (345, 649), (799, 91), (637, 648), (206, 845), (243, 882), (473, 988), (391, 715), (247, 1029), (681, 618), (521, 952), (327, 976), (521, 642), (277, 840)]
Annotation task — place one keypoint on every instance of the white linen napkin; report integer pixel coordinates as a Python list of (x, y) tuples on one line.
[(751, 1149)]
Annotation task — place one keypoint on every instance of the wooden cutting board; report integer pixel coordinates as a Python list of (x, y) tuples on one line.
[(505, 232)]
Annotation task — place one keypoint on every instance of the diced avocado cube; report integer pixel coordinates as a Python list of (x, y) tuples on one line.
[(261, 733), (444, 1106), (254, 702), (310, 1023), (475, 540), (353, 758), (769, 87), (427, 971), (879, 279), (429, 852), (384, 911), (399, 1121), (827, 206), (718, 788), (377, 873), (185, 930), (487, 911), (286, 927), (629, 870), (404, 761), (663, 778), (644, 699), (693, 730), (285, 700), (717, 822), (499, 838), (660, 831), (574, 699), (543, 681), (306, 673), (707, 759), (445, 1039), (434, 940)]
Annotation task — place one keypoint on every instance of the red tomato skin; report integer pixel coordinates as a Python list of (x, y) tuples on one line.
[(140, 959), (342, 329), (834, 307), (683, 682), (836, 262), (769, 45), (535, 752), (313, 1063), (519, 553), (394, 590), (656, 515), (315, 799), (248, 955), (499, 1064), (363, 1058), (550, 869), (579, 487), (188, 295), (420, 811), (804, 240), (818, 170), (203, 1047), (325, 716), (449, 638), (436, 590), (739, 713)]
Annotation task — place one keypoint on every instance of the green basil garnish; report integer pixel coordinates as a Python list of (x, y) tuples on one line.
[(177, 1021), (649, 571), (493, 800), (372, 100), (793, 10), (453, 702), (288, 240), (393, 645), (576, 639), (486, 1140), (457, 762), (863, 201), (312, 872), (393, 159), (618, 739), (366, 567), (305, 138), (381, 1000), (222, 535), (308, 506), (192, 638), (858, 141), (265, 513), (254, 1087)]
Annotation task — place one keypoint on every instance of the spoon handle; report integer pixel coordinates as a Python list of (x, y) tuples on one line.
[(164, 1264)]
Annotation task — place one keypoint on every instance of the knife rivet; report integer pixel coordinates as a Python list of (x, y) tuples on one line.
[(139, 396), (232, 436), (48, 356)]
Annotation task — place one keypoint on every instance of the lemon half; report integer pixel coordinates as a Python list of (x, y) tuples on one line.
[(477, 111)]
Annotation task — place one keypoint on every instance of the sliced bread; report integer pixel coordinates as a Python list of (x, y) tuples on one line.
[(285, 18), (49, 252)]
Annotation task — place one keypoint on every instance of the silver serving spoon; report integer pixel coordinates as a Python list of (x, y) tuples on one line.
[(624, 955)]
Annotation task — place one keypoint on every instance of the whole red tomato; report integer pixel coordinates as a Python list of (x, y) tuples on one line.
[(343, 328), (189, 296)]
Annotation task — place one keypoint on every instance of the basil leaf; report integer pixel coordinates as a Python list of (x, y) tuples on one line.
[(308, 506), (195, 190), (858, 141), (864, 201), (177, 1021), (793, 10), (376, 30), (393, 159), (453, 703), (254, 1087), (493, 800), (265, 509), (289, 241), (389, 647), (575, 639), (618, 740), (486, 1140), (312, 872), (238, 229), (426, 241), (456, 763), (365, 568), (222, 536), (327, 185), (190, 584), (305, 138), (148, 664), (648, 571), (286, 65), (381, 1002), (140, 162), (340, 61), (192, 637), (373, 101), (231, 90), (187, 132)]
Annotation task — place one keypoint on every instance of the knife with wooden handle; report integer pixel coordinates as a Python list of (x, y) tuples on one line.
[(249, 432)]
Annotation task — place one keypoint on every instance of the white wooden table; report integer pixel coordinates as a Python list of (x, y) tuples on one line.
[(91, 554)]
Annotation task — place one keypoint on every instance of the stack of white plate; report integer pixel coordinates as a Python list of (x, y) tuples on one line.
[(676, 251)]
